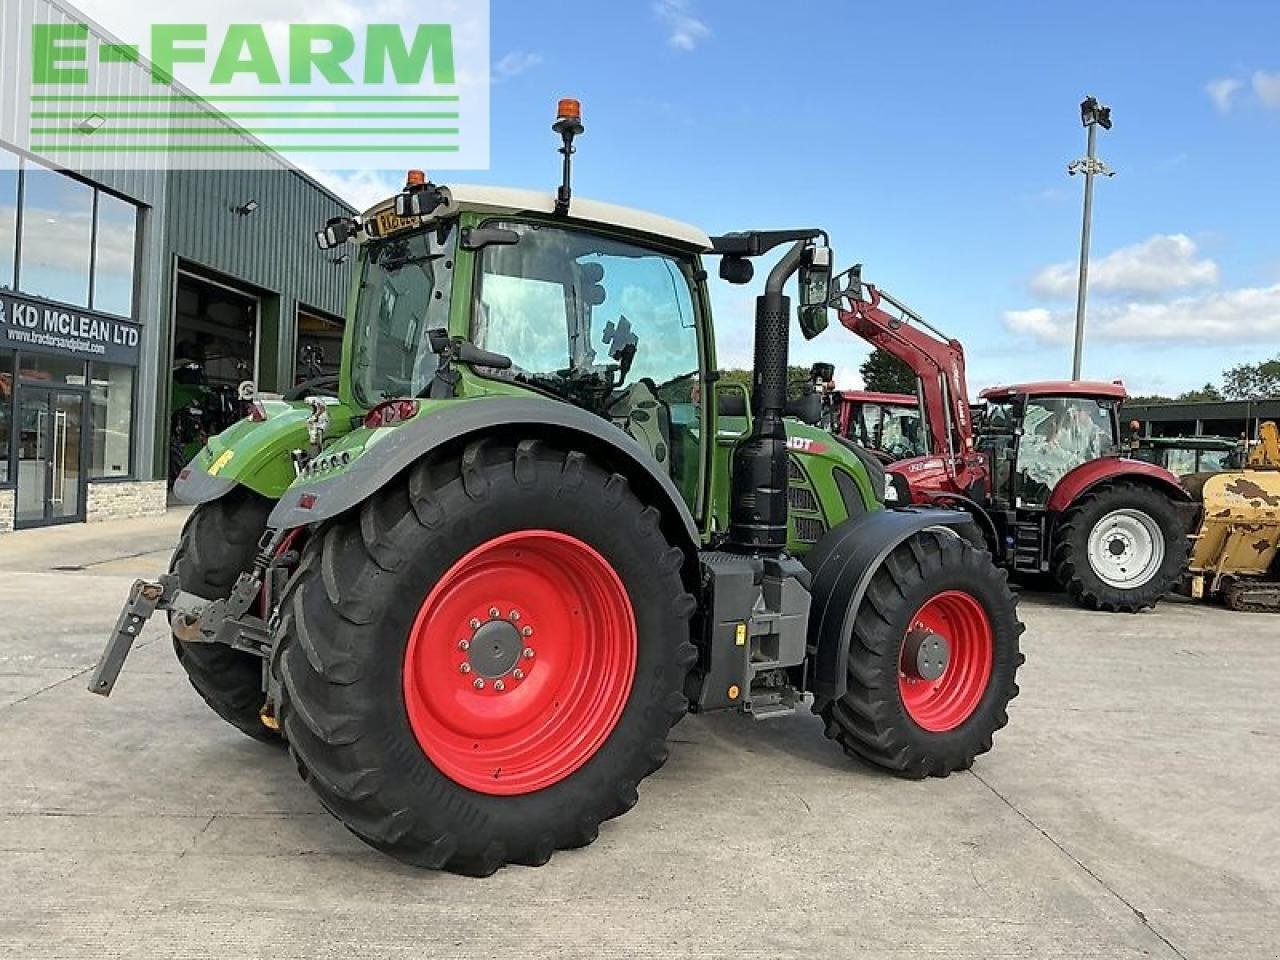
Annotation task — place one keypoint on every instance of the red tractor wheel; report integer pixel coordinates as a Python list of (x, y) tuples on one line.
[(520, 662), (480, 664), (932, 662)]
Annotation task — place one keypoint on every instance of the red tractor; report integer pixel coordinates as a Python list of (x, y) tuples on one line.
[(1041, 471), (887, 424)]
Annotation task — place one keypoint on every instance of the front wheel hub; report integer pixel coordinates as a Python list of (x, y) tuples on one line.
[(925, 654), (946, 661)]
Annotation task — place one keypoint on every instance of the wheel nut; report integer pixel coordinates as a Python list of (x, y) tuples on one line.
[(517, 674), (479, 684), (515, 616), (499, 685), (475, 624), (528, 653), (526, 631), (493, 613), (464, 644), (464, 667)]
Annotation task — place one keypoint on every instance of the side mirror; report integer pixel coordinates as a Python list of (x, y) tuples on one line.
[(336, 232), (815, 291), (419, 200)]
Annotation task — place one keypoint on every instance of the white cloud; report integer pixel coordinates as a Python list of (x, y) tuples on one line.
[(686, 31), (1222, 92), (1036, 322), (360, 188), (1159, 264), (515, 63), (1266, 86), (1243, 315)]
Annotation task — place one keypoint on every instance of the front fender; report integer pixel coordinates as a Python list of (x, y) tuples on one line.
[(842, 564), (311, 501), (1093, 472)]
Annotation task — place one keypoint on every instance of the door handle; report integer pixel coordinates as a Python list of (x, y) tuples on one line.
[(59, 457)]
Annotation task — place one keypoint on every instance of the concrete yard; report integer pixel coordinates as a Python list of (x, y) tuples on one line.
[(1131, 809)]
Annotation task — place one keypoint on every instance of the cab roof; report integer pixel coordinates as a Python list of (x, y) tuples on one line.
[(889, 399), (1058, 388), (511, 200)]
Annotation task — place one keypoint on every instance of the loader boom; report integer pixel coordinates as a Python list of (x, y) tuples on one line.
[(936, 360)]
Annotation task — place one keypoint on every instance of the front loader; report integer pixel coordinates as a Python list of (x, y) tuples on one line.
[(475, 590)]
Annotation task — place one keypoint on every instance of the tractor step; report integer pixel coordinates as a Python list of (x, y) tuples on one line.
[(1028, 540), (768, 702)]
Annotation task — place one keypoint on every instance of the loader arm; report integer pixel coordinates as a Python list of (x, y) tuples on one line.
[(936, 360)]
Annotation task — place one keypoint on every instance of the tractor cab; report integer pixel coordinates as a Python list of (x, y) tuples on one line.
[(1035, 434), (890, 425)]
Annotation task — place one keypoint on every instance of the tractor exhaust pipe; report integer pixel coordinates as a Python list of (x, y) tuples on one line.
[(758, 511)]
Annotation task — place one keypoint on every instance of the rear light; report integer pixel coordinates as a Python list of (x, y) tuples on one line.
[(391, 414), (307, 501), (257, 412)]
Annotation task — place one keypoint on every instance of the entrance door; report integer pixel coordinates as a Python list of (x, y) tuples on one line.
[(50, 461)]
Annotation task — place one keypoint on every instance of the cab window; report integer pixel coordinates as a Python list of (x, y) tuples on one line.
[(1059, 434), (601, 323)]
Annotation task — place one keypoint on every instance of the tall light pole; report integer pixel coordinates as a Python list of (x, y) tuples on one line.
[(1092, 115)]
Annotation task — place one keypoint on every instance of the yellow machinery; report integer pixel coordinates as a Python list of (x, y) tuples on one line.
[(1234, 553)]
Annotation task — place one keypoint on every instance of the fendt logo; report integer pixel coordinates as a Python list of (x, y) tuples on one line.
[(200, 94)]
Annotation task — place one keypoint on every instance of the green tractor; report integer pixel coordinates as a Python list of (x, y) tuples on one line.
[(528, 530)]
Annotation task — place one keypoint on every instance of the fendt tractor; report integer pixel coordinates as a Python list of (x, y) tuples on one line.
[(1042, 472), (475, 588)]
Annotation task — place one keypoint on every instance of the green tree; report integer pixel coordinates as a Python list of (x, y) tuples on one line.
[(1148, 400), (1205, 394), (885, 373), (797, 379), (1253, 381)]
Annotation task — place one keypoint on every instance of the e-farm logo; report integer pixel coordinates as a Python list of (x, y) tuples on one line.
[(200, 95)]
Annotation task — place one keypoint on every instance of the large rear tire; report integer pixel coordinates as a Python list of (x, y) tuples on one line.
[(933, 660), (480, 664), (218, 543), (1120, 548)]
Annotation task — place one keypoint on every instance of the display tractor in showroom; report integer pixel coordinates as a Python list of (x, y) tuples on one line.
[(475, 589), (1042, 471)]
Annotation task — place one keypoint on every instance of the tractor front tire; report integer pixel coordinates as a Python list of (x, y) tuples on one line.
[(933, 660), (480, 663), (1120, 548), (219, 542)]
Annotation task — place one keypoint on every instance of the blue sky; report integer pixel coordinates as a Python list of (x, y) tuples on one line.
[(931, 139)]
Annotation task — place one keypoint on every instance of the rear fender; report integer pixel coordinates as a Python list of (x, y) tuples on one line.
[(253, 454), (310, 501), (842, 565), (1088, 475)]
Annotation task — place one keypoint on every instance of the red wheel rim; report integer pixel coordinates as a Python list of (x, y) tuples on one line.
[(944, 703), (509, 720)]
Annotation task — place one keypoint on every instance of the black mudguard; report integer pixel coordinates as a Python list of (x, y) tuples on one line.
[(457, 422), (843, 563)]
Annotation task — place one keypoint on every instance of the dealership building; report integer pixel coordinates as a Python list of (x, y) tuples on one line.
[(135, 301)]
